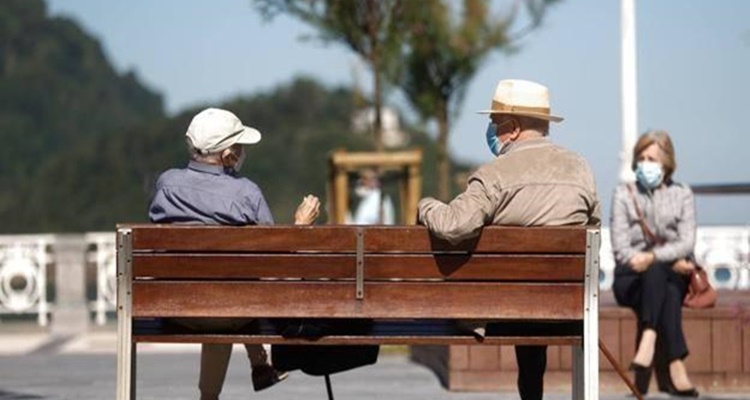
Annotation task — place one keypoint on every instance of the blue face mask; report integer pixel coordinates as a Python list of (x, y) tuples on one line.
[(493, 142), (649, 173)]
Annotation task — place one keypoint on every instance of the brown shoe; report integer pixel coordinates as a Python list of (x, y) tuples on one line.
[(265, 376)]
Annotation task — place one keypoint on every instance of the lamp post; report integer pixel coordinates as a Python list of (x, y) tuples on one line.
[(629, 84)]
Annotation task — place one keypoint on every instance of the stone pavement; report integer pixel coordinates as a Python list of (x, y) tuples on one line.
[(35, 365)]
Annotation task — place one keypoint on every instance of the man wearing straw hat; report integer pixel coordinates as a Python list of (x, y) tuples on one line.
[(531, 182)]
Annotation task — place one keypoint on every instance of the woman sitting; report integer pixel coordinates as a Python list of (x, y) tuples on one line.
[(653, 235)]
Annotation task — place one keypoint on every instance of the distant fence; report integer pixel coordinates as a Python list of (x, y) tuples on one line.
[(24, 263), (30, 275)]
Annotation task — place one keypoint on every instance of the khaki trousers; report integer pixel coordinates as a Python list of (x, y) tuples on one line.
[(214, 364), (215, 357)]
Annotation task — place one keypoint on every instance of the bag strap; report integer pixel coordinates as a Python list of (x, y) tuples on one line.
[(642, 219)]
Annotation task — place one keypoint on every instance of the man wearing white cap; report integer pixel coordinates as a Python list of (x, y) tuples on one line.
[(531, 182), (209, 191)]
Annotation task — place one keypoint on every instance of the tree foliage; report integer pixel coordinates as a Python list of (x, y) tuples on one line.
[(371, 28), (444, 48), (442, 54)]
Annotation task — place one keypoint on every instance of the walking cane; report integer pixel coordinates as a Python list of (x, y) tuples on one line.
[(619, 370)]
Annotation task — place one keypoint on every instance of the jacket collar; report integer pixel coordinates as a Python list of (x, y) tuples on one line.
[(206, 168), (528, 144)]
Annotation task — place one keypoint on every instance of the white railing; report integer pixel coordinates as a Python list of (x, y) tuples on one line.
[(101, 253), (723, 250), (23, 275)]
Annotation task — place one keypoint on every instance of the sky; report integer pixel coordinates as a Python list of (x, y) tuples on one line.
[(693, 80)]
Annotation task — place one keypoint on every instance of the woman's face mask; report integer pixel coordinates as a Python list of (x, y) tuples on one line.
[(649, 173)]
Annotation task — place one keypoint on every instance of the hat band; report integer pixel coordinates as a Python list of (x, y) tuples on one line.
[(507, 108)]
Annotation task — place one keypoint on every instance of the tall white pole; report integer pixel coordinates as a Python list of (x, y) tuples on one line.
[(629, 90)]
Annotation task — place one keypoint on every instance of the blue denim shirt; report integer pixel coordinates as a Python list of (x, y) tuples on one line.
[(206, 194)]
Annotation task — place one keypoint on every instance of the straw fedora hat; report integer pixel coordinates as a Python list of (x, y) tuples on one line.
[(519, 97)]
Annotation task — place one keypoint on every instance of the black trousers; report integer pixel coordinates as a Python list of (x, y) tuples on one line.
[(532, 362), (656, 296)]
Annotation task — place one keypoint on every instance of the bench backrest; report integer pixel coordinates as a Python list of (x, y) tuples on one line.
[(397, 272)]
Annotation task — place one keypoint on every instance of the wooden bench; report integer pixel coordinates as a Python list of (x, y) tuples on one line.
[(539, 284)]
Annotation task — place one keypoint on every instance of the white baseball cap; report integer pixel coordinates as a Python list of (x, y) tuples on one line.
[(213, 130)]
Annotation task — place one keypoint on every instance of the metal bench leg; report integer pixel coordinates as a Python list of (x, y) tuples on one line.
[(578, 373), (586, 371), (126, 349), (126, 363), (586, 357)]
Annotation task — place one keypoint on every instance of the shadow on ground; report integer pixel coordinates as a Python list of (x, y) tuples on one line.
[(4, 395)]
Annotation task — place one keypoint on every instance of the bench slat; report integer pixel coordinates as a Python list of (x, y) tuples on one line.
[(362, 340), (282, 299), (210, 239), (380, 332), (243, 266), (562, 268), (494, 239), (559, 268)]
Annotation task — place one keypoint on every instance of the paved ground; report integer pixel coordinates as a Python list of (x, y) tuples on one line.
[(34, 365)]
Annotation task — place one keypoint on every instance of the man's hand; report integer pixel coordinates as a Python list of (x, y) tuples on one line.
[(683, 266), (641, 261), (307, 211)]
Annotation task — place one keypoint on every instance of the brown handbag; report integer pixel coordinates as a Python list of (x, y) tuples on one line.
[(700, 293)]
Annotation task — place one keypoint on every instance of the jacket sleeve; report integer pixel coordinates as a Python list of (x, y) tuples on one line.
[(685, 243), (620, 228), (463, 217), (595, 218), (595, 209)]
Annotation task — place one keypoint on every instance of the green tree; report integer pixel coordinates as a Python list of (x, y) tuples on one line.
[(57, 90), (443, 51), (370, 28)]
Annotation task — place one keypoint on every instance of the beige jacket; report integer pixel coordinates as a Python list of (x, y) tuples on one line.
[(534, 183)]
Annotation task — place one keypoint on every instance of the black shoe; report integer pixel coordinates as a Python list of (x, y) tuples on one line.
[(265, 376), (642, 377), (685, 393)]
